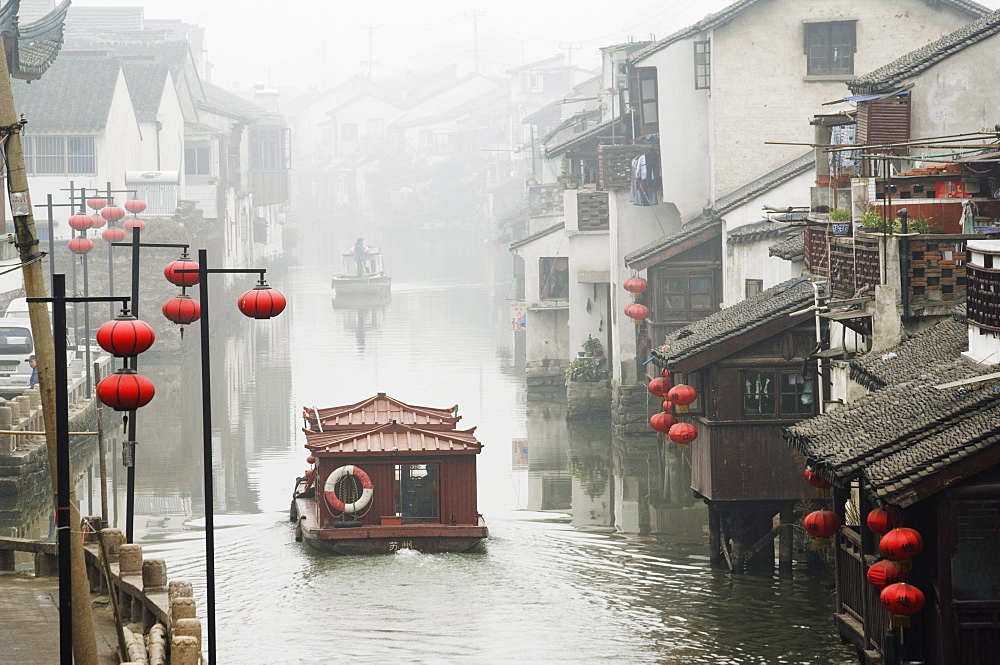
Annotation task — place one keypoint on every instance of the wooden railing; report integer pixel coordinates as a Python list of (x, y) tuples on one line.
[(859, 611)]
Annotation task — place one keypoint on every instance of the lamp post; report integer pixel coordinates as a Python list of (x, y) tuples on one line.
[(63, 526), (272, 307)]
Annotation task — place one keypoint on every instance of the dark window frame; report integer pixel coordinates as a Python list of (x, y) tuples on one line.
[(703, 65), (752, 287), (553, 284), (60, 155), (830, 47), (778, 402)]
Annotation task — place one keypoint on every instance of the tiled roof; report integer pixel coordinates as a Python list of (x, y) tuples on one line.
[(761, 230), (791, 248), (380, 410), (605, 128), (888, 77), (726, 204), (231, 105), (74, 96), (535, 236), (145, 85), (772, 304), (732, 11), (904, 433), (393, 439), (35, 45), (941, 342)]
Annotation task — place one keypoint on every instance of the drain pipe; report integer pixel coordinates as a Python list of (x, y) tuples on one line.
[(904, 262)]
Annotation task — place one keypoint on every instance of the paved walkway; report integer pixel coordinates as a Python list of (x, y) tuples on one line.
[(29, 622)]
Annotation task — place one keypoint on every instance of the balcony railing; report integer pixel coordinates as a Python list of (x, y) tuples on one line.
[(614, 165)]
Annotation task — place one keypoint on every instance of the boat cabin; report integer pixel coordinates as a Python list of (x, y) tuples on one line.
[(370, 265)]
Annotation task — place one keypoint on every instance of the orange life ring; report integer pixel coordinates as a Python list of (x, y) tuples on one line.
[(367, 489)]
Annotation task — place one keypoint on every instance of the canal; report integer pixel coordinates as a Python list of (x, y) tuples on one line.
[(555, 582)]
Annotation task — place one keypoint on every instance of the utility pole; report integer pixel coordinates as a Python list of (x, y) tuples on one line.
[(569, 48), (371, 50), (26, 240), (475, 37)]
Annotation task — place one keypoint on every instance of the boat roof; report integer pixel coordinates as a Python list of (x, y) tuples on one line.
[(393, 440), (370, 250), (378, 410)]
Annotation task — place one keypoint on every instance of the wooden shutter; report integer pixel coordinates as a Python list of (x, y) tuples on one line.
[(885, 120)]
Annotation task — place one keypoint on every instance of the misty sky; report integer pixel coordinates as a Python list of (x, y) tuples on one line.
[(302, 43)]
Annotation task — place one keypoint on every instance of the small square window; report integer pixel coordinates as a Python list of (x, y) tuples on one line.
[(830, 48), (753, 287)]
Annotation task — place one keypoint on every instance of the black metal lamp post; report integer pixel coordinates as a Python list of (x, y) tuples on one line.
[(63, 475), (203, 271)]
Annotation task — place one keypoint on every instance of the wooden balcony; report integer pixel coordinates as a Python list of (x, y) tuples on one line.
[(614, 165)]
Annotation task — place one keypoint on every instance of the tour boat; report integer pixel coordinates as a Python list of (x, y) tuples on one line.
[(386, 476), (370, 280)]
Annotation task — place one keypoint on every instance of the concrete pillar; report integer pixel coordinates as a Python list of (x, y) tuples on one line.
[(130, 559), (24, 402), (184, 650), (35, 396), (785, 542), (182, 608), (179, 589), (8, 442), (46, 565), (113, 541), (15, 412), (154, 575), (189, 628)]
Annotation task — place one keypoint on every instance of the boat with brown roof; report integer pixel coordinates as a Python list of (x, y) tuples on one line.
[(387, 476)]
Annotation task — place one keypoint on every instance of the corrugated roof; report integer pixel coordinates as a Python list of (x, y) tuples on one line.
[(888, 77), (377, 410), (74, 96), (393, 439)]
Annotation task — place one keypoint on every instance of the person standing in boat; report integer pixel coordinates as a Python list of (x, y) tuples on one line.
[(359, 255)]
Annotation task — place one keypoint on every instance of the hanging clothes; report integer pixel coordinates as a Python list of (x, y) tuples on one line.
[(645, 179)]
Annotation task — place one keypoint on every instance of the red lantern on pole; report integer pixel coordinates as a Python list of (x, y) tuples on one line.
[(662, 422), (125, 336), (97, 204), (816, 480), (637, 312), (112, 213), (80, 245), (261, 302), (682, 394), (181, 278), (901, 544), (310, 460), (882, 520), (98, 221), (659, 386), (683, 433), (635, 285), (132, 224), (125, 390), (902, 600), (885, 572), (113, 234), (822, 523), (182, 310), (80, 222), (135, 206)]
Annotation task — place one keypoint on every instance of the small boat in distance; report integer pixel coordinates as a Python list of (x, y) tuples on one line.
[(364, 277), (386, 476)]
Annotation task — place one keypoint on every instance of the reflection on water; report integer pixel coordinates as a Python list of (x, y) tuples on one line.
[(554, 582)]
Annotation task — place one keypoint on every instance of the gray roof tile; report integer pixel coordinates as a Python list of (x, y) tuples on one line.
[(791, 248), (74, 96), (939, 343)]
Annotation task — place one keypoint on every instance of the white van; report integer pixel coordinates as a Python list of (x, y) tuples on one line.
[(18, 308), (16, 345)]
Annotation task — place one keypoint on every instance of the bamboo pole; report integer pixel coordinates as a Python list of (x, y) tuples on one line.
[(84, 636)]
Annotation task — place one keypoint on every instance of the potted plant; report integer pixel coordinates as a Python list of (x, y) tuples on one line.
[(840, 222), (570, 181), (581, 369), (592, 347)]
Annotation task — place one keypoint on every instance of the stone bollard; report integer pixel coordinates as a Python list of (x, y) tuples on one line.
[(113, 541), (130, 559), (8, 442), (179, 589), (182, 608), (36, 398), (15, 411), (24, 402), (184, 650), (154, 574), (188, 628)]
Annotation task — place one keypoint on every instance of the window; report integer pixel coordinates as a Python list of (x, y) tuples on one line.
[(830, 48), (753, 287), (266, 147), (687, 295), (702, 65), (773, 393), (349, 131), (417, 492), (643, 98), (553, 277), (59, 155), (197, 160)]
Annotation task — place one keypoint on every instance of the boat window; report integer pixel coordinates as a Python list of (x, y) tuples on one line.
[(417, 492)]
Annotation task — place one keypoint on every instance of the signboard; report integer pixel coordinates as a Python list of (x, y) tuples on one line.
[(518, 316), (519, 450)]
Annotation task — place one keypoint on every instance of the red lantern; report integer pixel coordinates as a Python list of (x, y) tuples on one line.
[(125, 336), (901, 544), (667, 405), (683, 433), (902, 600), (659, 386), (97, 204), (885, 572), (80, 222), (310, 473), (635, 285), (310, 460), (133, 224), (125, 390), (113, 234), (682, 394), (816, 480), (822, 523), (636, 312), (80, 245), (98, 221), (181, 278), (112, 213), (135, 206), (881, 520), (662, 422), (182, 310), (261, 302)]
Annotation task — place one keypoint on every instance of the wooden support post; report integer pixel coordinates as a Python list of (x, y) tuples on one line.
[(785, 541)]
